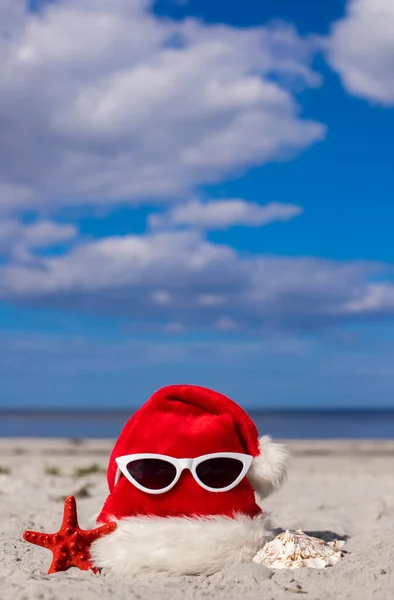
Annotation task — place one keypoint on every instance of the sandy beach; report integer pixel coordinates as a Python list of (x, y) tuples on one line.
[(335, 489)]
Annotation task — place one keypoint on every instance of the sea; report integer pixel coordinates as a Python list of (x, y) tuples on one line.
[(282, 424)]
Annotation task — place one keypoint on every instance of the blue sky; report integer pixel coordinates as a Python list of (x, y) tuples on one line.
[(196, 192)]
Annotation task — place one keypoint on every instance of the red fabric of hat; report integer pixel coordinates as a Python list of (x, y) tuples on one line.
[(183, 421)]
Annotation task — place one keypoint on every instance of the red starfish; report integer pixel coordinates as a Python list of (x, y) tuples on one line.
[(70, 545)]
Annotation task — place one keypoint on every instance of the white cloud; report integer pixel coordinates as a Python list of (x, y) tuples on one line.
[(164, 262), (12, 17), (361, 49), (226, 324), (179, 277), (380, 298), (19, 238), (129, 106), (161, 297), (118, 110), (221, 214)]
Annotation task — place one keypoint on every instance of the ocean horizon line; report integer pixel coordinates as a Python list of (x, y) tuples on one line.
[(280, 422), (254, 409)]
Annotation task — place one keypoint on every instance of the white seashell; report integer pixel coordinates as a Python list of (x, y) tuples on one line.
[(295, 549)]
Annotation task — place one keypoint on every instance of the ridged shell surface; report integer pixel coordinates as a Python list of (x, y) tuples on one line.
[(296, 549)]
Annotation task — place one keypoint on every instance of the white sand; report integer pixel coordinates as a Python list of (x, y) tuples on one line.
[(335, 489)]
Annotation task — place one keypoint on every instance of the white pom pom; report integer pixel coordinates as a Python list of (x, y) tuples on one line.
[(268, 470)]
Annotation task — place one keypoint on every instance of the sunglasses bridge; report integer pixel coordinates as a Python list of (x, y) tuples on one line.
[(185, 463)]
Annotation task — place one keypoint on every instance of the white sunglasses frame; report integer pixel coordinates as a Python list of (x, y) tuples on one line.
[(181, 464)]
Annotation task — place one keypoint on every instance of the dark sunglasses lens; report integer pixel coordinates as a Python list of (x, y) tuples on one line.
[(152, 473), (218, 473)]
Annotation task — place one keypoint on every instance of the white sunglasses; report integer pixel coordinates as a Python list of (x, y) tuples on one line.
[(157, 473)]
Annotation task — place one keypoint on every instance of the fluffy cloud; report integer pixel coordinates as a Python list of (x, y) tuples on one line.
[(223, 214), (361, 50), (12, 16), (126, 105), (18, 239), (129, 106), (182, 281)]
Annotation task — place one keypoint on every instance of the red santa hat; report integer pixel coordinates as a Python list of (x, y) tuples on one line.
[(188, 529)]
